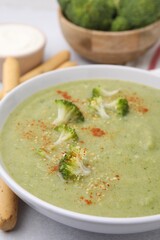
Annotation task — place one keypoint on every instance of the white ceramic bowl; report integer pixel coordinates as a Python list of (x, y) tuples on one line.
[(81, 221)]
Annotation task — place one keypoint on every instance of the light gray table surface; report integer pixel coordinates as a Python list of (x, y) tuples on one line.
[(31, 224)]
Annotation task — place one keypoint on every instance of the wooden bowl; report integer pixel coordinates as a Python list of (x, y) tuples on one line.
[(109, 47)]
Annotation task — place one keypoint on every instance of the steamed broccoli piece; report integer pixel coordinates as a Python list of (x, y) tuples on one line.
[(71, 166), (66, 133), (98, 91), (120, 105), (139, 13), (97, 104), (120, 24), (67, 111), (91, 14)]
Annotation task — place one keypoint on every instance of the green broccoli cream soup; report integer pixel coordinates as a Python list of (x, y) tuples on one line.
[(91, 147)]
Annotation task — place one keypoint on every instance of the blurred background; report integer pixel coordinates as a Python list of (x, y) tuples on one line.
[(41, 4), (43, 15)]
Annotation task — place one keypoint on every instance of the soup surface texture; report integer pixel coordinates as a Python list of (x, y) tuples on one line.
[(121, 153)]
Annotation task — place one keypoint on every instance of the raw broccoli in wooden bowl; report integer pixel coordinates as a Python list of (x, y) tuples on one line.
[(91, 14), (111, 15)]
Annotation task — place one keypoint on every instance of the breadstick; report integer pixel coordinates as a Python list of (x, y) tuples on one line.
[(10, 74), (8, 207), (8, 200), (49, 65), (67, 64), (1, 94)]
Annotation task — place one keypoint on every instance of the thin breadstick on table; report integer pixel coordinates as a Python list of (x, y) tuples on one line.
[(10, 74), (11, 78), (67, 64), (8, 207), (1, 94), (58, 61), (8, 200), (49, 65)]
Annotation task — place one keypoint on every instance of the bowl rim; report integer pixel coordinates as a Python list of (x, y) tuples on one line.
[(107, 33), (30, 198)]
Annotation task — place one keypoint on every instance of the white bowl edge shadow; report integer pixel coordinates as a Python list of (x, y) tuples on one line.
[(77, 220)]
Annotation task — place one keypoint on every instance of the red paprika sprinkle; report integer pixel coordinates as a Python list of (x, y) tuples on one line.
[(142, 109), (88, 202), (137, 103), (54, 169), (64, 94), (97, 132)]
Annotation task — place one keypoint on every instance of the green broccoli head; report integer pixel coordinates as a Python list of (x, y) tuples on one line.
[(67, 111), (116, 2), (120, 105), (98, 91), (91, 14), (139, 13), (66, 133), (64, 3), (97, 104), (158, 7), (120, 24), (71, 166)]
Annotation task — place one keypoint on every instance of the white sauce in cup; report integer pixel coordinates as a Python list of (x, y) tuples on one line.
[(23, 42), (17, 39)]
